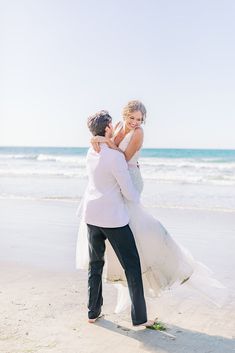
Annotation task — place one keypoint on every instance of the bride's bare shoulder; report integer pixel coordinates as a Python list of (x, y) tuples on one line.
[(138, 132)]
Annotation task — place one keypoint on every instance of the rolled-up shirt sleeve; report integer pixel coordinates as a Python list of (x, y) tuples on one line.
[(122, 175)]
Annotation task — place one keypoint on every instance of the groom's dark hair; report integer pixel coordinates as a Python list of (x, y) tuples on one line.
[(98, 122)]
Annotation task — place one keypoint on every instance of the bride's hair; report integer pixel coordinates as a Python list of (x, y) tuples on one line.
[(133, 106)]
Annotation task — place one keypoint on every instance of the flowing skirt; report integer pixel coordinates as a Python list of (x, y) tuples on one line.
[(164, 262)]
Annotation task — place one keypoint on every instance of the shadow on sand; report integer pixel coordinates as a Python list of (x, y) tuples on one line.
[(185, 341)]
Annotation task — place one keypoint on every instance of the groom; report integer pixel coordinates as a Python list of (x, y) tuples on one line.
[(107, 218)]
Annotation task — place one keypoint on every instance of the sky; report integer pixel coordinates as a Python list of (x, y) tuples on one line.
[(61, 61)]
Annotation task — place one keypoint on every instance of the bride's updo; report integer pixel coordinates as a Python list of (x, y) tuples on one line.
[(133, 106)]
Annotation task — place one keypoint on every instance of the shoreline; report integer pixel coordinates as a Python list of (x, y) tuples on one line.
[(76, 201), (48, 228)]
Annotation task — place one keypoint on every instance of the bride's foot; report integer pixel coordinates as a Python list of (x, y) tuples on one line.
[(185, 280)]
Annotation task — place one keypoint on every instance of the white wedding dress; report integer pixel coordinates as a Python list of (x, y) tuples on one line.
[(164, 262)]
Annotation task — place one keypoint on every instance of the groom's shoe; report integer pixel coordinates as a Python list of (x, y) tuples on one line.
[(148, 323), (93, 320)]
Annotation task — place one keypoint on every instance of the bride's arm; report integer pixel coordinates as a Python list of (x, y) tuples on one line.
[(134, 144), (96, 140)]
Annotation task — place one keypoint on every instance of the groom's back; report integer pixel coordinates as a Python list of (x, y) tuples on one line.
[(99, 167), (108, 175)]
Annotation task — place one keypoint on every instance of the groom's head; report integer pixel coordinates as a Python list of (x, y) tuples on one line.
[(100, 124)]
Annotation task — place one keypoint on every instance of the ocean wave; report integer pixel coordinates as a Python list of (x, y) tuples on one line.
[(40, 198), (76, 160), (43, 173), (167, 170), (190, 180), (18, 156), (72, 160), (144, 161), (172, 178), (184, 163), (159, 173)]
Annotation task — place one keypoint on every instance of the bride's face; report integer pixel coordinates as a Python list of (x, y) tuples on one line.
[(133, 120)]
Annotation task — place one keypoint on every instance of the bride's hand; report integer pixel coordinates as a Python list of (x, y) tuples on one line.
[(96, 140)]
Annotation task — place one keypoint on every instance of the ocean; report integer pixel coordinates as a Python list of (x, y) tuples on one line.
[(178, 178)]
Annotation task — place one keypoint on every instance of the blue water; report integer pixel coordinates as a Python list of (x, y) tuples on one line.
[(213, 154), (221, 155)]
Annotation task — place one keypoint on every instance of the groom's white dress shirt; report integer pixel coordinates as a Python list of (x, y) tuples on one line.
[(109, 182)]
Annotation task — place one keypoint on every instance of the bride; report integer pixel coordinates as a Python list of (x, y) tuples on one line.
[(164, 262)]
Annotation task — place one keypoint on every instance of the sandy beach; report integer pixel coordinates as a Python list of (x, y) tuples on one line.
[(43, 297)]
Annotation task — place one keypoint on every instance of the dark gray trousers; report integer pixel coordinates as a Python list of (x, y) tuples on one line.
[(123, 243)]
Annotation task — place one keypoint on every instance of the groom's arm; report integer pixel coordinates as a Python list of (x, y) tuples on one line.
[(122, 175)]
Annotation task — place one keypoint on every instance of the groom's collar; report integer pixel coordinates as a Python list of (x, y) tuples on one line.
[(103, 145)]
